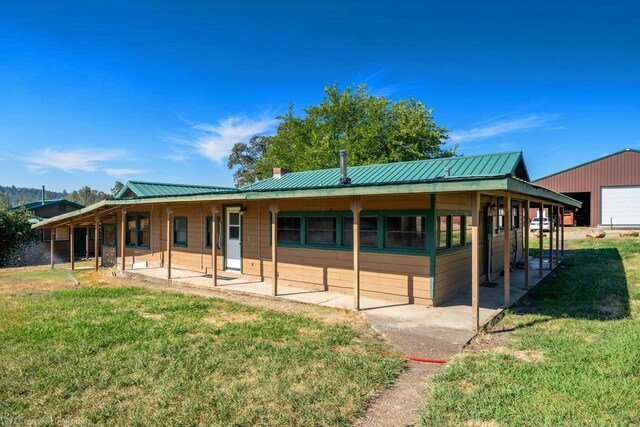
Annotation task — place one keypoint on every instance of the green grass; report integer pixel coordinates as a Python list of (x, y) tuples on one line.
[(117, 355), (572, 356)]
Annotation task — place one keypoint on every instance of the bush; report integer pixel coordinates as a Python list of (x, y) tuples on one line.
[(15, 235)]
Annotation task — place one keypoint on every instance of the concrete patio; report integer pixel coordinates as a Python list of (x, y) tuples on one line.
[(451, 321)]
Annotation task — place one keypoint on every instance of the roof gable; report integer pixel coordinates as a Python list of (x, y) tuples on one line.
[(40, 204), (139, 189), (462, 167)]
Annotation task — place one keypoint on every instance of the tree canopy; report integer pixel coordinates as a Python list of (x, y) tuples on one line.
[(374, 129)]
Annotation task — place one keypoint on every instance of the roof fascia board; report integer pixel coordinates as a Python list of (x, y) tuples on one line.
[(541, 192)]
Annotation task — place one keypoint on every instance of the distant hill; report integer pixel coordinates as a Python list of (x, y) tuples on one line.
[(16, 196)]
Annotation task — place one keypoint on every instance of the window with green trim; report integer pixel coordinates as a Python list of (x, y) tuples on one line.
[(289, 229), (368, 231), (452, 231), (457, 230), (138, 230), (180, 231), (515, 215), (321, 230), (405, 232), (442, 232), (219, 232)]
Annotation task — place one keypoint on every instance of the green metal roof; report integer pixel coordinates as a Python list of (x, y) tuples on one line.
[(462, 167), (39, 204), (156, 189)]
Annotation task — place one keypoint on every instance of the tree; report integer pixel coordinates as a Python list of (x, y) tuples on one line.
[(374, 129), (86, 196), (15, 236), (116, 188)]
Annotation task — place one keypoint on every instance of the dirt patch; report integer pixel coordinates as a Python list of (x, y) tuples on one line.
[(233, 317)]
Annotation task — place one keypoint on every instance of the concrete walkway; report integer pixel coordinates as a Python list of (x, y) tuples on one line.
[(451, 321)]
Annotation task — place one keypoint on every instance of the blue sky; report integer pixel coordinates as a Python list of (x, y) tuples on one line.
[(91, 92)]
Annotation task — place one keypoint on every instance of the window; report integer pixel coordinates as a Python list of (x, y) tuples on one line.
[(289, 229), (468, 239), (457, 230), (321, 230), (219, 226), (62, 233), (500, 221), (180, 231), (405, 232), (515, 215), (442, 232), (109, 234), (234, 225), (137, 234), (368, 231)]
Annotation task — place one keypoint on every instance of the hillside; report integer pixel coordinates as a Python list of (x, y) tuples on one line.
[(16, 196)]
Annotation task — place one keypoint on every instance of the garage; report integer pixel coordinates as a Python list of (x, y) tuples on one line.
[(621, 206)]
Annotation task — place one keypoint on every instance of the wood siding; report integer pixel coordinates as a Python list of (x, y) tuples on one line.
[(619, 170)]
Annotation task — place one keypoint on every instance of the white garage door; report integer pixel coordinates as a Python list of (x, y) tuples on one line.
[(621, 205)]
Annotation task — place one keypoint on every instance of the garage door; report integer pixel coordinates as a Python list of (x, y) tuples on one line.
[(621, 205)]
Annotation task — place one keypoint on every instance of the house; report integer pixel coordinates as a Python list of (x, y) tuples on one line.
[(50, 208), (608, 187), (411, 232)]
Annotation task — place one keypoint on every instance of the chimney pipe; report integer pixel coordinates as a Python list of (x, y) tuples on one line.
[(447, 171), (344, 179), (44, 196), (279, 172)]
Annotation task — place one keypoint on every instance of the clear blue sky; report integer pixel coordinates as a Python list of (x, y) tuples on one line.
[(91, 92)]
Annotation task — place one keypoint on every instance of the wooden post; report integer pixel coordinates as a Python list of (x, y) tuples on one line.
[(551, 230), (123, 237), (475, 267), (71, 246), (214, 244), (526, 244), (560, 221), (356, 208), (506, 253), (53, 238), (562, 237), (541, 239), (169, 238), (274, 248), (96, 242)]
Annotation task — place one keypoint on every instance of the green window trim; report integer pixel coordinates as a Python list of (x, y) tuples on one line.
[(339, 246), (176, 242), (464, 241), (138, 230)]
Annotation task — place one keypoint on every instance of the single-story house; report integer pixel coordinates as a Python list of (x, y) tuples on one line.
[(412, 232), (48, 208)]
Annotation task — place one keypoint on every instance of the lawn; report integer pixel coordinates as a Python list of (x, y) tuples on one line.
[(568, 354), (112, 354)]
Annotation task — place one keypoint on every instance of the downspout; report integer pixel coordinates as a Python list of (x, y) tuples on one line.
[(431, 220)]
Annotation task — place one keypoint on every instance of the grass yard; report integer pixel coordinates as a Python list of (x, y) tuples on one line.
[(568, 354), (110, 354)]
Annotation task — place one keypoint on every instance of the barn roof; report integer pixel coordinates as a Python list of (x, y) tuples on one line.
[(626, 150)]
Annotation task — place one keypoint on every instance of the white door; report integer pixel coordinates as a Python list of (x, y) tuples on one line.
[(233, 239), (620, 205)]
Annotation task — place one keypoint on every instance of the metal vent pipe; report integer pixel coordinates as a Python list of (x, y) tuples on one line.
[(344, 178)]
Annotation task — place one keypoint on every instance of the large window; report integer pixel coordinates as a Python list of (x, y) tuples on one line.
[(138, 230), (405, 232), (368, 231), (457, 230), (180, 231), (289, 230), (321, 230), (452, 231)]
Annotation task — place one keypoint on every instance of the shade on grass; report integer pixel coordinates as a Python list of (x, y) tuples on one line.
[(573, 357), (126, 356)]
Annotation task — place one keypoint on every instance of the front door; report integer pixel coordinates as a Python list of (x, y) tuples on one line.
[(233, 234)]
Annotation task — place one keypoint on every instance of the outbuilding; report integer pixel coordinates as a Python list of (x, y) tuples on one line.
[(608, 188)]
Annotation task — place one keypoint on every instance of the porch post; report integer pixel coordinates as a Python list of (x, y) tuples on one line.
[(551, 230), (214, 244), (123, 236), (86, 238), (274, 248), (526, 244), (96, 242), (541, 239), (562, 237), (475, 268), (356, 208), (560, 224), (53, 238), (169, 237), (506, 253), (71, 246)]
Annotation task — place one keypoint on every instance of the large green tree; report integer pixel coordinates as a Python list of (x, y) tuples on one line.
[(87, 196), (374, 129)]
